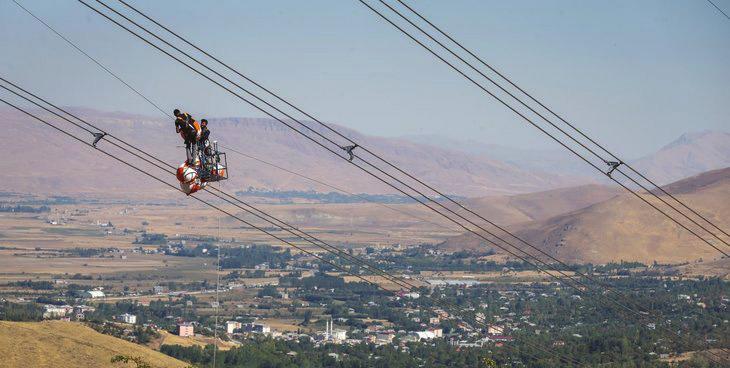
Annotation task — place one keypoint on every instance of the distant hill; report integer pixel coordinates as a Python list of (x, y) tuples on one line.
[(47, 162), (542, 205), (56, 344), (505, 210), (624, 228), (690, 154), (556, 161)]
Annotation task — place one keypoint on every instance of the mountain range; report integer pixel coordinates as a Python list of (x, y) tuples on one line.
[(692, 153), (566, 215), (51, 162), (45, 161)]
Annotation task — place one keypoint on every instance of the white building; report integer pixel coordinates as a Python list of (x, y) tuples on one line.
[(54, 311), (84, 309), (257, 328), (420, 335), (185, 329), (338, 335), (127, 318), (232, 326), (332, 335), (92, 294)]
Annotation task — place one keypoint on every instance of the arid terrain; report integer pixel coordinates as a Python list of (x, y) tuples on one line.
[(624, 228), (575, 224), (69, 345)]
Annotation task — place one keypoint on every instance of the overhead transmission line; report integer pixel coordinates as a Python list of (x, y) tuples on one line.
[(170, 169), (227, 147), (189, 56), (337, 188), (447, 306), (613, 156), (718, 9), (326, 139), (268, 113), (71, 43), (165, 113), (147, 99), (339, 154), (224, 87), (615, 165), (230, 148)]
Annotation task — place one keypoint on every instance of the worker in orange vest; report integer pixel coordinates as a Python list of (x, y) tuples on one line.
[(190, 131)]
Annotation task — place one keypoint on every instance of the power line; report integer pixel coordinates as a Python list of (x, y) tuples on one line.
[(552, 112), (526, 261), (329, 128), (718, 9), (170, 169), (271, 219), (90, 57), (330, 149), (531, 122), (265, 111), (326, 147), (324, 137), (203, 201), (156, 106), (337, 188), (307, 136)]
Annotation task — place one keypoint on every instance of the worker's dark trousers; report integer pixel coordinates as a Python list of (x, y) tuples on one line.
[(191, 151), (203, 157)]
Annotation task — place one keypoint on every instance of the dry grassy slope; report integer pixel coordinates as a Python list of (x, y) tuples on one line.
[(718, 268), (506, 210), (623, 228), (67, 345), (50, 162)]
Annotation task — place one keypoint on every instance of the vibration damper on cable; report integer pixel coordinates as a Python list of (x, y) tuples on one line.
[(349, 149), (614, 165), (97, 138)]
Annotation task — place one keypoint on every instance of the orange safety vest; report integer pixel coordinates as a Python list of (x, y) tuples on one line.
[(196, 125), (187, 119)]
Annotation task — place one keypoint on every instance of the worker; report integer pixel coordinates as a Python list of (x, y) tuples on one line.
[(190, 131), (203, 143)]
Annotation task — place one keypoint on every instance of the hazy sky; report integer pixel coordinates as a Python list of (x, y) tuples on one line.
[(635, 74)]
